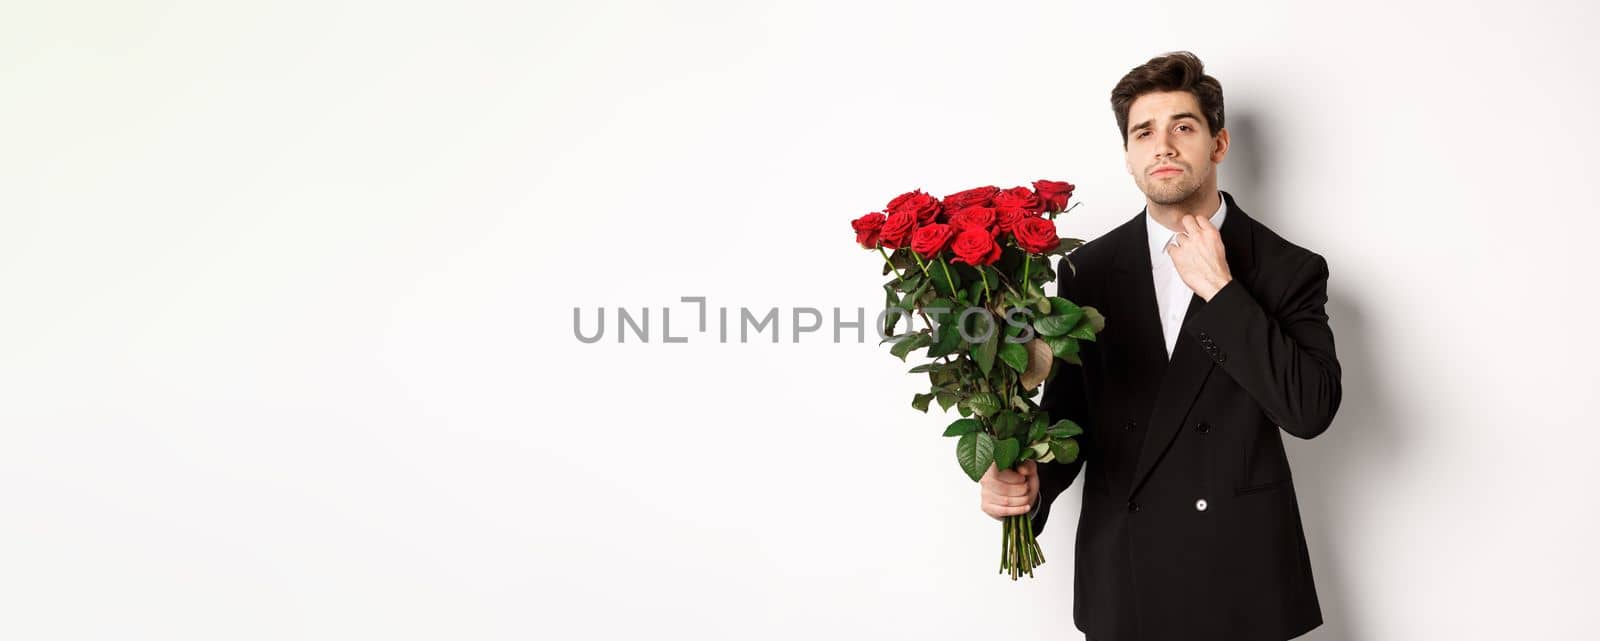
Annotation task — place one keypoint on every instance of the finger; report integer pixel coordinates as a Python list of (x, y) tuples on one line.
[(1191, 226), (1010, 476), (1029, 468), (1017, 505), (1176, 252), (1002, 512), (1009, 489)]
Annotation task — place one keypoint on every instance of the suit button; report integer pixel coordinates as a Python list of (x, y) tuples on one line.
[(1133, 507), (1200, 505), (1131, 426), (1221, 357), (1202, 427)]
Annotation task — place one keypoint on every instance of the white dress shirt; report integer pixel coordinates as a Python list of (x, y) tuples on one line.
[(1172, 294)]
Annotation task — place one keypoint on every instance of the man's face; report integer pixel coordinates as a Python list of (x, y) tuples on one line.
[(1171, 152)]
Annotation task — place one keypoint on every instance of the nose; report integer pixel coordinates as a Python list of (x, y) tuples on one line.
[(1164, 147)]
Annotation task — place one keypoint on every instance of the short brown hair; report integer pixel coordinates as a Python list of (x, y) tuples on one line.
[(1175, 71)]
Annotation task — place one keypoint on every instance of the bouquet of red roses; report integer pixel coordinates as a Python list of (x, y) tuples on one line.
[(972, 267)]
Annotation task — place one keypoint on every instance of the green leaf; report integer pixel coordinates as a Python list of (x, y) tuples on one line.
[(945, 399), (1083, 331), (1006, 424), (945, 287), (1064, 347), (909, 303), (962, 427), (1096, 321), (983, 353), (1066, 245), (1065, 451), (1041, 268), (984, 404), (1013, 329), (1021, 405), (891, 302), (1065, 428), (975, 290), (940, 309), (948, 342), (920, 402), (1057, 324), (975, 452), (1005, 453), (912, 342), (1015, 355), (1041, 423)]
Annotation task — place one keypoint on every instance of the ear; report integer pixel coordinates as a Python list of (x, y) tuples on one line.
[(1219, 148)]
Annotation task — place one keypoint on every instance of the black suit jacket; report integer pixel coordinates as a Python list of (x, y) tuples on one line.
[(1189, 528)]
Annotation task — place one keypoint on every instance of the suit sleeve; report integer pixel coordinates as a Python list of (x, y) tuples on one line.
[(1284, 360), (1063, 398)]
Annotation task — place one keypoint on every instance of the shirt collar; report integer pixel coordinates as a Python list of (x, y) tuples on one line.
[(1159, 236)]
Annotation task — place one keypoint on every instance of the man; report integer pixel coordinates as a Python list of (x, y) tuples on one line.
[(1216, 341)]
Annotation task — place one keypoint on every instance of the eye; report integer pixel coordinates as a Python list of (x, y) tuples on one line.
[(1141, 134), (1183, 126)]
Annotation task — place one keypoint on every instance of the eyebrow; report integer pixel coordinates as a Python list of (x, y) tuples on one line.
[(1178, 116)]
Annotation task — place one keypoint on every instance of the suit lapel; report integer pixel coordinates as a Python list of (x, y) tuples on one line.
[(1132, 280), (1186, 373)]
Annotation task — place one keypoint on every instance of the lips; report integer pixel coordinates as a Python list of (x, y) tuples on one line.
[(1167, 170)]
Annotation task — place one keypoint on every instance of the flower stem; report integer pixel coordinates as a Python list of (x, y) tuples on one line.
[(920, 264), (947, 279), (897, 273), (1019, 549)]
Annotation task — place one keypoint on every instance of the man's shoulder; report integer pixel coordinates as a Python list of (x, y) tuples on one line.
[(1098, 253), (1275, 254)]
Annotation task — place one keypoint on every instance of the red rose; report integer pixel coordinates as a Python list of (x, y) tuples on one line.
[(1006, 219), (1052, 194), (1018, 198), (896, 231), (1036, 234), (925, 207), (975, 247), (976, 197), (929, 240), (867, 229), (975, 218)]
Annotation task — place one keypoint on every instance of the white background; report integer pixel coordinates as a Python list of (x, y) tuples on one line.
[(287, 292)]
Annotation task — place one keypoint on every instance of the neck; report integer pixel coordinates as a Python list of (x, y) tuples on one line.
[(1203, 203)]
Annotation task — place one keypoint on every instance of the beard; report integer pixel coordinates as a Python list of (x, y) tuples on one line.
[(1169, 191)]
